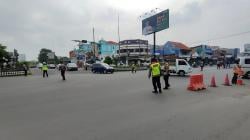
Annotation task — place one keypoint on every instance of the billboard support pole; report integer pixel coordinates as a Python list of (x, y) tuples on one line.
[(154, 45)]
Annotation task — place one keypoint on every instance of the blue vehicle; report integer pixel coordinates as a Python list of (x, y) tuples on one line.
[(102, 68)]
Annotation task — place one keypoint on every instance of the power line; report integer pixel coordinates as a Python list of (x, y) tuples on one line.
[(219, 38)]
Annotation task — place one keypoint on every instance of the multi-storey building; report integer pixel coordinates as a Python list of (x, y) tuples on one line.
[(133, 51)]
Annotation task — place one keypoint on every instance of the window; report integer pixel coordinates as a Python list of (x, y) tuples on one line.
[(182, 63), (247, 61), (137, 50)]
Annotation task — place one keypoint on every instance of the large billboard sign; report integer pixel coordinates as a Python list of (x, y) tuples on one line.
[(156, 23)]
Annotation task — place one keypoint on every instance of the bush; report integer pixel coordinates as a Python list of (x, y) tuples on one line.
[(108, 60)]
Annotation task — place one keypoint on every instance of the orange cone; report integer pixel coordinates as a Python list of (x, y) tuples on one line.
[(213, 83), (240, 82), (226, 82)]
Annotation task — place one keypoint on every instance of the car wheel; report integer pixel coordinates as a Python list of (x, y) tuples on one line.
[(182, 73)]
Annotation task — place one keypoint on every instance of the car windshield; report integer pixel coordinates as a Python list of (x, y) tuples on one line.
[(106, 65)]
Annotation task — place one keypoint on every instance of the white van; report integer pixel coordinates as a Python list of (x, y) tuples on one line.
[(245, 64), (179, 66)]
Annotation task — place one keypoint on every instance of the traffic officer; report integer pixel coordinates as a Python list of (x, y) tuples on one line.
[(133, 69), (155, 71), (45, 69), (166, 75)]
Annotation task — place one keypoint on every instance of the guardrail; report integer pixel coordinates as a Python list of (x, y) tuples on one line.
[(129, 69), (6, 73)]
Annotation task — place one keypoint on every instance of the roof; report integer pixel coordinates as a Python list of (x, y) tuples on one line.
[(112, 42), (179, 45)]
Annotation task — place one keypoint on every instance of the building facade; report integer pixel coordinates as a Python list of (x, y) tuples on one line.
[(107, 48), (247, 48), (133, 51)]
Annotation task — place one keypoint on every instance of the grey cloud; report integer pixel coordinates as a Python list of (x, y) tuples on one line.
[(188, 14)]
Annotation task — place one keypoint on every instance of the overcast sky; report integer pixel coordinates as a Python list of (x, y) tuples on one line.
[(30, 25)]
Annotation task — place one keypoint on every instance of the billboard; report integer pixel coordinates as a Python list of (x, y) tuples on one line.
[(247, 48), (155, 23)]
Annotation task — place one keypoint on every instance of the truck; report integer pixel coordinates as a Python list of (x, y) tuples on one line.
[(178, 66)]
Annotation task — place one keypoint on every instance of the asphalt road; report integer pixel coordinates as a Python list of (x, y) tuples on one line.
[(120, 106)]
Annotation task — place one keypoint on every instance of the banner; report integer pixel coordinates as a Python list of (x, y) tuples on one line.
[(155, 23)]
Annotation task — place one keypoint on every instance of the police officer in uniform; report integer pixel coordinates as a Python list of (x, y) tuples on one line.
[(155, 71), (62, 68), (166, 75), (45, 69)]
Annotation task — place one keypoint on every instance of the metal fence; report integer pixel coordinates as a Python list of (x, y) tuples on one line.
[(4, 72)]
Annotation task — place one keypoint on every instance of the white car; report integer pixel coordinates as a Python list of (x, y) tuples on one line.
[(72, 67), (39, 65), (52, 66)]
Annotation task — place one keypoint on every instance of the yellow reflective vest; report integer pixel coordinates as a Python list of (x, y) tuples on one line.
[(156, 69), (45, 67)]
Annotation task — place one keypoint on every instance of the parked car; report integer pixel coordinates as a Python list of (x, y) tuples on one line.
[(245, 64), (39, 65), (72, 67), (102, 68), (52, 66)]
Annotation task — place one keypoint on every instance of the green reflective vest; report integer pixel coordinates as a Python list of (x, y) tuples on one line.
[(156, 71), (45, 67)]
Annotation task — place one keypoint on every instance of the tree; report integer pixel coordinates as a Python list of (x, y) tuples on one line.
[(108, 60), (3, 54), (43, 56), (115, 60)]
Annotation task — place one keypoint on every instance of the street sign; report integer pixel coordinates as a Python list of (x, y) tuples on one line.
[(155, 23)]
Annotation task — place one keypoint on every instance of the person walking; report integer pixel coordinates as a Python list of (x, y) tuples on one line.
[(133, 68), (155, 71), (45, 69), (202, 65), (166, 75), (236, 71), (62, 68), (25, 68)]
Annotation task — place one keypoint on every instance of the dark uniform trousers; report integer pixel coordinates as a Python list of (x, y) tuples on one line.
[(156, 82), (63, 74), (166, 77)]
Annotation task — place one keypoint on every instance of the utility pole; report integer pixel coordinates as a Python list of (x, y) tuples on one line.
[(119, 38), (94, 43), (154, 45)]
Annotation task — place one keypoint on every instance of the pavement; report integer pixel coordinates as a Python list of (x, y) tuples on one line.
[(120, 106)]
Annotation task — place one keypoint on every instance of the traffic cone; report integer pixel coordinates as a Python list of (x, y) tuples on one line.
[(213, 83), (226, 82), (240, 81)]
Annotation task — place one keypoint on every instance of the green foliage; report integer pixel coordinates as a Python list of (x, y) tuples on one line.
[(115, 60), (3, 53), (43, 57), (108, 60)]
